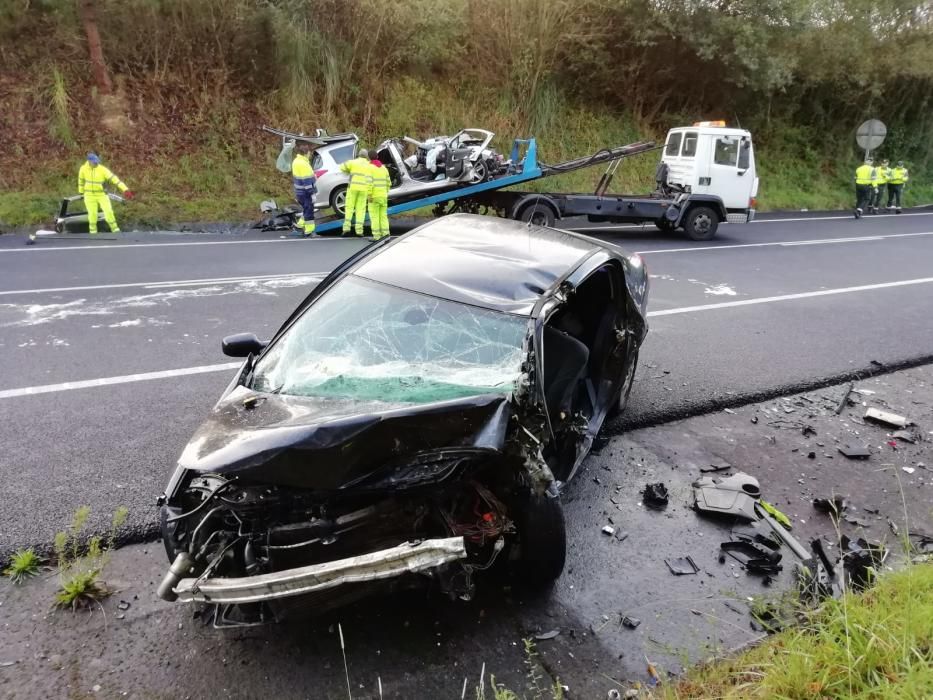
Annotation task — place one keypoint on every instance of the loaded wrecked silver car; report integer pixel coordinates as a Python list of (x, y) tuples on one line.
[(416, 168), (413, 421)]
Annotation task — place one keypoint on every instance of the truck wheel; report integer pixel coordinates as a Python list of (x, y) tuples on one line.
[(538, 213), (338, 200), (701, 223), (542, 538), (665, 225)]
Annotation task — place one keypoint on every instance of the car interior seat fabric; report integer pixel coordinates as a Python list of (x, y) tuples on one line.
[(565, 360)]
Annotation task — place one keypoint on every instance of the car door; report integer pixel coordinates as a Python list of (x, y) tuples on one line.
[(727, 180)]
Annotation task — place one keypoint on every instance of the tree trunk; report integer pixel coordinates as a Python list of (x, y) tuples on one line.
[(88, 13)]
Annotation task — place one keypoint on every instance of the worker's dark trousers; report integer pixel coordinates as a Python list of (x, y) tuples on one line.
[(894, 195), (306, 200), (863, 195), (878, 196)]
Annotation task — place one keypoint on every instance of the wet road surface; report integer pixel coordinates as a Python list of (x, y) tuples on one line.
[(112, 347)]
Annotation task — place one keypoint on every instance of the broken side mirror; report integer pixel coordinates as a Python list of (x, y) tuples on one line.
[(242, 345)]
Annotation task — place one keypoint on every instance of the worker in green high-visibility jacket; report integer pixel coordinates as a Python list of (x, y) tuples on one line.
[(357, 193), (92, 177), (864, 186), (899, 178), (379, 199)]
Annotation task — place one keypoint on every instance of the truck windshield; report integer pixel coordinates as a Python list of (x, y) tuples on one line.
[(369, 341), (690, 145), (673, 144)]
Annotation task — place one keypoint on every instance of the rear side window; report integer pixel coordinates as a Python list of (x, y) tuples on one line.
[(316, 161), (673, 144), (727, 151), (343, 153), (745, 154), (690, 145)]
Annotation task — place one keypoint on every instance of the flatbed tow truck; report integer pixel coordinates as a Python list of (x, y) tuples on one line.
[(706, 176)]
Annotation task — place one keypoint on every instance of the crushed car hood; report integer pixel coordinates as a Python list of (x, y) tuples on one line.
[(327, 443)]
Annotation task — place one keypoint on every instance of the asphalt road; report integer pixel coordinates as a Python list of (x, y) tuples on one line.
[(112, 347)]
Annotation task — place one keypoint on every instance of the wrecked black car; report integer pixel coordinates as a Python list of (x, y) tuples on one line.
[(412, 421)]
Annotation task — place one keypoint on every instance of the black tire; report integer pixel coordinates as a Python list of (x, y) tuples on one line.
[(338, 200), (701, 223), (538, 214), (542, 539), (665, 225)]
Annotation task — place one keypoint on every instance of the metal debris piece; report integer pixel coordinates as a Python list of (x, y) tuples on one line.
[(630, 622), (716, 467), (544, 636), (834, 505), (754, 557), (609, 530), (862, 559), (732, 495), (845, 398), (906, 436), (879, 416), (655, 495), (855, 452), (684, 566)]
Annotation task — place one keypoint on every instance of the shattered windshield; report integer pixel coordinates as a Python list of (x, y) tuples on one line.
[(369, 341)]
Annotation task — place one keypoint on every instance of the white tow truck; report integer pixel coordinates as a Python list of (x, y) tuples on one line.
[(706, 176)]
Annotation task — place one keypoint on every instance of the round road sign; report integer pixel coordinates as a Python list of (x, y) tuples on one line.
[(871, 134)]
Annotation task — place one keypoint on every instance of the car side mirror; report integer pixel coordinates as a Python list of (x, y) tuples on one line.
[(242, 345), (742, 172)]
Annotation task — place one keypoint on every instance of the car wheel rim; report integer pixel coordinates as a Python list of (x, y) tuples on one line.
[(340, 202), (479, 172)]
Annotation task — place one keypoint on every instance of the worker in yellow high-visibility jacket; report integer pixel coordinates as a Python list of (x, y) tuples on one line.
[(899, 178), (305, 185), (864, 186), (379, 199), (92, 177), (357, 192), (880, 186)]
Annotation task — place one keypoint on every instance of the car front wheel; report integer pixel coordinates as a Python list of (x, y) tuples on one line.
[(542, 540)]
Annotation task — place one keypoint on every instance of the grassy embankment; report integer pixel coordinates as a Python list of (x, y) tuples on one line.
[(878, 644), (214, 165)]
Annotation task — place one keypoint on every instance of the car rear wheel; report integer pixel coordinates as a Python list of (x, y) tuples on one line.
[(480, 172), (701, 223), (542, 540), (338, 200)]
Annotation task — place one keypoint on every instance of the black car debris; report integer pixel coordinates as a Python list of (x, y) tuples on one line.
[(413, 420)]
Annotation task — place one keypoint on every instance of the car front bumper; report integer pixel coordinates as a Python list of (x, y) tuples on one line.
[(388, 563)]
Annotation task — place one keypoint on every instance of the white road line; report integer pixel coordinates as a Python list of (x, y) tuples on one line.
[(109, 381), (204, 369), (789, 297), (617, 227), (130, 246), (815, 241), (161, 285)]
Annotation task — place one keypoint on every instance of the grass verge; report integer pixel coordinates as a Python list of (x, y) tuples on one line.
[(877, 644)]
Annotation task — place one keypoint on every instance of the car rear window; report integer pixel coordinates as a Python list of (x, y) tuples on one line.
[(673, 144), (342, 154)]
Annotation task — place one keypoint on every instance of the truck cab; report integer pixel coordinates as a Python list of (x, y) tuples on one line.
[(712, 162)]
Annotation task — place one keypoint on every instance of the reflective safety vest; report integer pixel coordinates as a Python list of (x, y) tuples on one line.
[(92, 178), (379, 183), (303, 175), (865, 175), (359, 171), (881, 175), (898, 176)]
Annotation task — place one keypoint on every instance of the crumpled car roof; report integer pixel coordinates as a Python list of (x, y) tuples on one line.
[(493, 263)]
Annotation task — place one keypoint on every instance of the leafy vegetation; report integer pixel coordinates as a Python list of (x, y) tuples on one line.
[(24, 564), (80, 564), (183, 85)]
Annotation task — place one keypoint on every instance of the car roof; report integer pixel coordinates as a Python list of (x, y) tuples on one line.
[(484, 261)]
